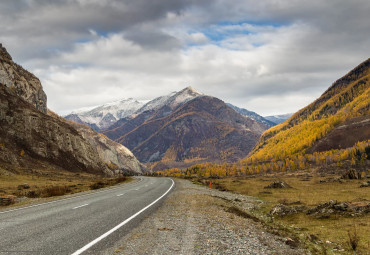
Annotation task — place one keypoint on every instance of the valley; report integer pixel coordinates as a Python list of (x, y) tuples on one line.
[(184, 127)]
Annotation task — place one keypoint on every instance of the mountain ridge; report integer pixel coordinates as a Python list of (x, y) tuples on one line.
[(104, 116), (203, 128)]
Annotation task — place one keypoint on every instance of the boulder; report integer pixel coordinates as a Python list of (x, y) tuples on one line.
[(23, 186), (351, 174), (278, 185), (365, 184)]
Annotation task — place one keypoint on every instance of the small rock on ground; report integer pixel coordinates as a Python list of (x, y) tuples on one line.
[(194, 220)]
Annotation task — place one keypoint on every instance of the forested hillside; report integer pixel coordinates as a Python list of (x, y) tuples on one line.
[(332, 131)]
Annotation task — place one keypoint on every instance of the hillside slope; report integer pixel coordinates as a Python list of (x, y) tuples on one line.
[(316, 127), (33, 138)]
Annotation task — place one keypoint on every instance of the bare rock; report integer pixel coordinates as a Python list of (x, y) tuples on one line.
[(23, 186), (33, 137), (21, 82), (365, 184), (351, 174), (343, 208), (278, 185), (284, 210)]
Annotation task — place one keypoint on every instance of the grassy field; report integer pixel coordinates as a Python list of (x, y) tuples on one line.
[(43, 184), (332, 231)]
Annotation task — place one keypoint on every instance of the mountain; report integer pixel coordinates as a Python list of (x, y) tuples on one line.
[(253, 115), (338, 119), (106, 115), (277, 119), (187, 127), (31, 137)]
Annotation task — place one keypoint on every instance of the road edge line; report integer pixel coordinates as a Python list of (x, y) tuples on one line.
[(89, 245)]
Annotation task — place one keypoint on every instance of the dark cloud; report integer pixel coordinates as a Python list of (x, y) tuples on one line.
[(251, 53)]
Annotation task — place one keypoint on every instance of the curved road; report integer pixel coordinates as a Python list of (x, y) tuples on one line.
[(86, 224)]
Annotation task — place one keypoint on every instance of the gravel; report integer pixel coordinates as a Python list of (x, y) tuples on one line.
[(195, 220)]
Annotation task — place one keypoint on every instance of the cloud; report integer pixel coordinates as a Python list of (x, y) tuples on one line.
[(267, 56)]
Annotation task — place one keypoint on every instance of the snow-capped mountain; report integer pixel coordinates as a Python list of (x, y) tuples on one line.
[(105, 115), (172, 100), (102, 117)]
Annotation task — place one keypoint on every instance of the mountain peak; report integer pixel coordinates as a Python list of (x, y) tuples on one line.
[(4, 55), (190, 90)]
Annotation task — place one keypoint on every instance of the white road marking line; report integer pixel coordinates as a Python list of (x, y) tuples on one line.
[(79, 206), (89, 245), (120, 194), (51, 202)]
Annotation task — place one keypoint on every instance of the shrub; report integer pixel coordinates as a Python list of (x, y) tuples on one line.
[(55, 191), (97, 185), (354, 239), (121, 179)]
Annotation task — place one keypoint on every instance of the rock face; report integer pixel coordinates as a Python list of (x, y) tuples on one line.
[(32, 137), (22, 82), (27, 131), (118, 158)]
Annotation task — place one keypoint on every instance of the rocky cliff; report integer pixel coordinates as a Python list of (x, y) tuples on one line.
[(21, 82), (31, 137), (117, 157)]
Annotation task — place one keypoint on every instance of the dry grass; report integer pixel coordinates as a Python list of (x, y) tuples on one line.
[(50, 183), (310, 193)]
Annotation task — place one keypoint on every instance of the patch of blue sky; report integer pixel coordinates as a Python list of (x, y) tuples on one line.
[(227, 29)]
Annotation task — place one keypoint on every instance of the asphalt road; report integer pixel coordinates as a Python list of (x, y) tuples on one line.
[(86, 224)]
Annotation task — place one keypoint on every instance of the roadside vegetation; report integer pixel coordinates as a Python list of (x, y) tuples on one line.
[(26, 186)]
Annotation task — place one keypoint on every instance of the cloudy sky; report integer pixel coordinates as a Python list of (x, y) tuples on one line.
[(269, 56)]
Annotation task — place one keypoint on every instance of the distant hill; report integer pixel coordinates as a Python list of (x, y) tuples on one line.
[(187, 127), (338, 119), (277, 119), (253, 115)]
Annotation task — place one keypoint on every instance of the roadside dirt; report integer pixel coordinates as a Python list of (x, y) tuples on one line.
[(197, 220)]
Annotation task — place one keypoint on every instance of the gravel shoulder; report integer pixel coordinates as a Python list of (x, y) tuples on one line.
[(197, 220)]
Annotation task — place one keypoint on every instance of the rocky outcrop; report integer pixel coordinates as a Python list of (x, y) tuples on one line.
[(278, 185), (28, 133), (285, 210), (342, 208), (21, 82), (31, 137), (118, 158)]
